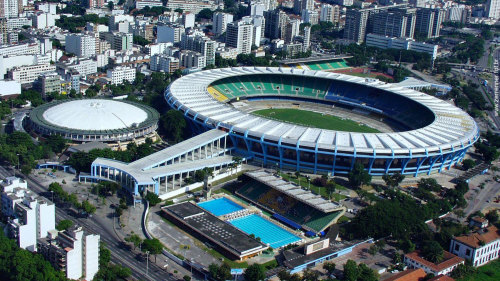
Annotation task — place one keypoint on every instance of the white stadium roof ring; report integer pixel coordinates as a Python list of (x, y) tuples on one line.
[(437, 135)]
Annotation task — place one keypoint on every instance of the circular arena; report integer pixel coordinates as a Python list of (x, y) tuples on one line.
[(85, 120), (421, 134)]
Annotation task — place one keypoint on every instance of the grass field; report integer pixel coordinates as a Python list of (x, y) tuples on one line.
[(489, 272), (314, 119)]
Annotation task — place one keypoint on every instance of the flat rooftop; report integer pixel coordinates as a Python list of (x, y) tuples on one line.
[(206, 224), (296, 257)]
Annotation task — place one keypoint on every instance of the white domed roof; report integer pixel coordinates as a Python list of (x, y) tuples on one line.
[(95, 114)]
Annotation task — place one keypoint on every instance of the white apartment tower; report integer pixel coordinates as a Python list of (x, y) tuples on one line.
[(82, 45), (72, 252), (239, 35), (9, 8), (493, 9), (329, 13), (30, 217), (220, 22)]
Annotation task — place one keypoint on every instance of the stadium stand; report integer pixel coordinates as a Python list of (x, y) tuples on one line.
[(286, 207), (345, 94)]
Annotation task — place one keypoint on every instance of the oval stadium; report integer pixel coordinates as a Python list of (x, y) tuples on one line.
[(393, 129), (86, 120)]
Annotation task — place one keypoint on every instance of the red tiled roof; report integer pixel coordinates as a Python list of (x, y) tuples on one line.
[(449, 260), (486, 235), (441, 278), (415, 274)]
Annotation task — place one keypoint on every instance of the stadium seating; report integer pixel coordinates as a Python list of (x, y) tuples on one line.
[(342, 92), (286, 206)]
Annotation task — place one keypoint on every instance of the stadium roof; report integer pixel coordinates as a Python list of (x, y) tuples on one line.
[(294, 191), (451, 129), (94, 116), (148, 168)]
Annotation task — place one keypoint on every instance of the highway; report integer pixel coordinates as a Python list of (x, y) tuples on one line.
[(120, 254)]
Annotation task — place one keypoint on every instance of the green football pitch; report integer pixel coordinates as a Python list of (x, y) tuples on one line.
[(314, 119)]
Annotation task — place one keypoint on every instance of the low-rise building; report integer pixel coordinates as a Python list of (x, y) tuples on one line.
[(120, 74), (10, 89), (72, 252), (49, 82), (13, 192), (141, 4), (445, 267), (385, 42), (413, 274), (479, 247), (192, 59), (164, 63), (28, 74)]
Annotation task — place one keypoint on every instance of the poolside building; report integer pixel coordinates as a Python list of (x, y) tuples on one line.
[(228, 239), (317, 252)]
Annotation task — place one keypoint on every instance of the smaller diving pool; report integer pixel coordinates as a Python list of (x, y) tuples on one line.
[(268, 232), (220, 206)]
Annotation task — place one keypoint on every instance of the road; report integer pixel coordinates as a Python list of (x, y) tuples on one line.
[(120, 254), (478, 199)]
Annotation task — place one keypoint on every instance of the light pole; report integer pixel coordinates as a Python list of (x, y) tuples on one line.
[(18, 161), (147, 262), (191, 267)]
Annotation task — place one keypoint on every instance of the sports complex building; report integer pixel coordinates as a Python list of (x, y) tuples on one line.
[(115, 122), (424, 134)]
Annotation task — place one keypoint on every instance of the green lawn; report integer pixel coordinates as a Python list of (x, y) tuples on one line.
[(314, 119), (489, 272)]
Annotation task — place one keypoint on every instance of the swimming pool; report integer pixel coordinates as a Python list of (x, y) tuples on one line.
[(268, 232), (220, 206)]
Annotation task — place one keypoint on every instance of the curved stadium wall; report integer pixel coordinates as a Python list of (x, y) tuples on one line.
[(436, 134)]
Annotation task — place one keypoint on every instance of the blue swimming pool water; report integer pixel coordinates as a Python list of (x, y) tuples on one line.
[(220, 206), (268, 232)]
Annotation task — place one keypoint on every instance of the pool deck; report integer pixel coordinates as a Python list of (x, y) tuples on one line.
[(223, 234)]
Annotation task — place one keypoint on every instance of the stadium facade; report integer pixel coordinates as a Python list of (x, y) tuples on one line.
[(115, 122), (435, 134)]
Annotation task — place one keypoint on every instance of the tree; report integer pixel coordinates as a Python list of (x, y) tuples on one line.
[(330, 187), (432, 251), (64, 224), (462, 271), (329, 267), (173, 123), (88, 208), (350, 271), (220, 273), (255, 272), (154, 246), (429, 184), (139, 40), (393, 180), (134, 239), (152, 198), (492, 216), (205, 14), (186, 278), (366, 274), (468, 164), (359, 176), (310, 275)]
